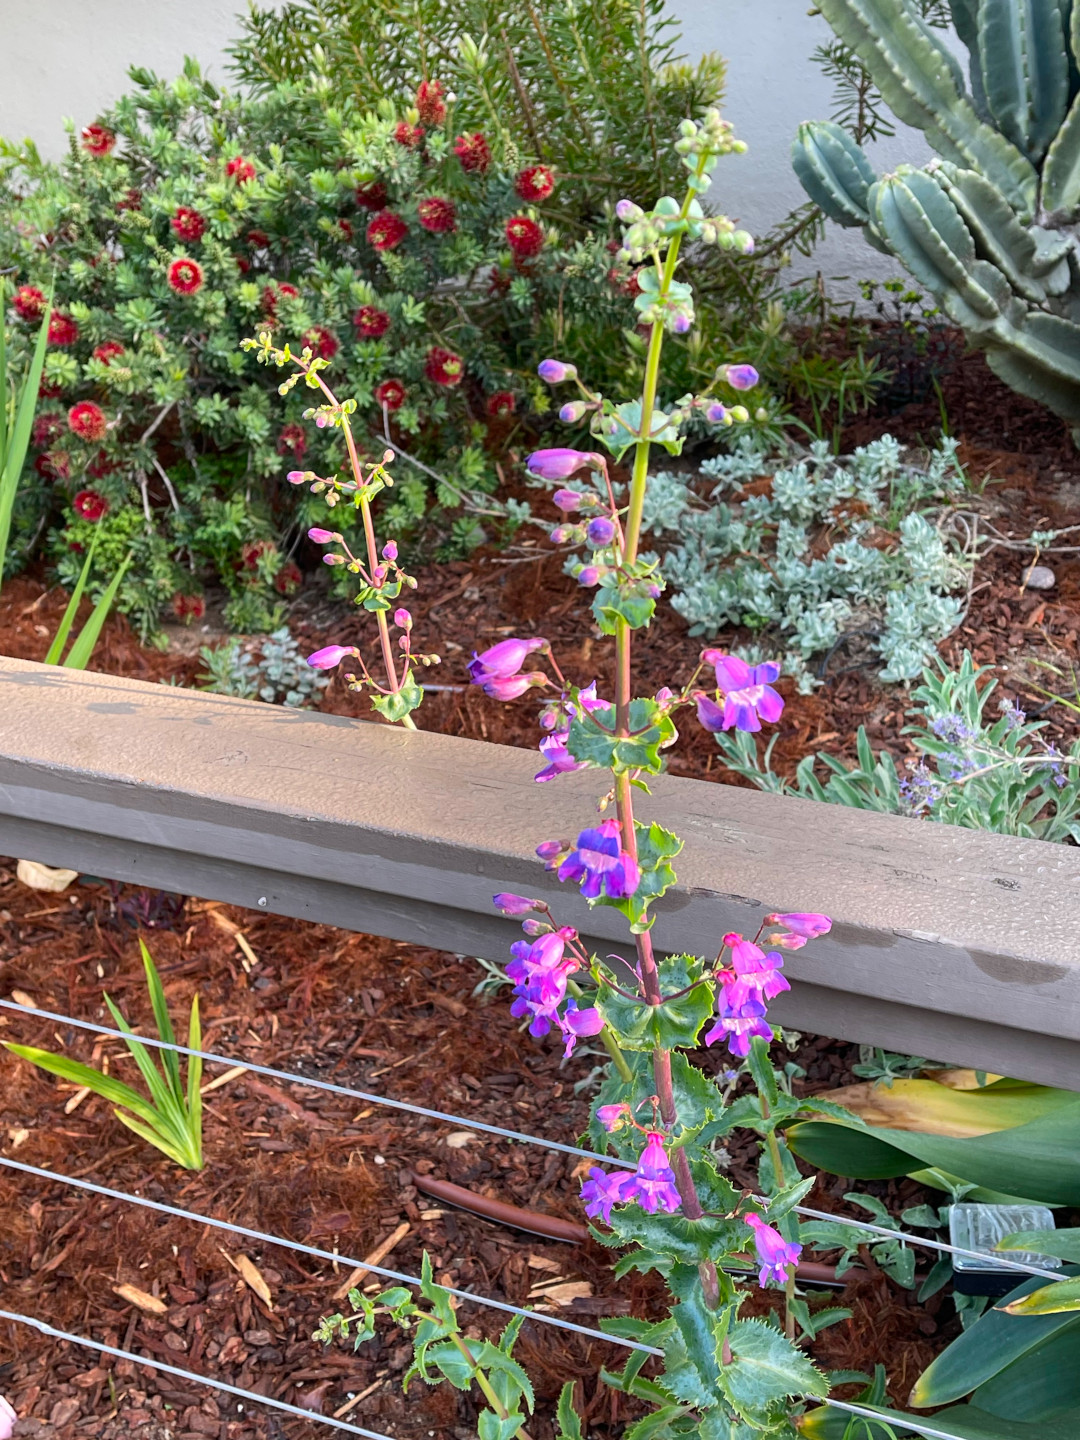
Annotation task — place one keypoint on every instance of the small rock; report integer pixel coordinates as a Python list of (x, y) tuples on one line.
[(1039, 577)]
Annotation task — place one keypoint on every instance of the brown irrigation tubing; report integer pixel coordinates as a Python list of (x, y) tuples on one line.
[(553, 1227)]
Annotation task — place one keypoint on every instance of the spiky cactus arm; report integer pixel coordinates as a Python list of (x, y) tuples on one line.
[(1060, 198), (834, 171), (1025, 69), (965, 18), (916, 76)]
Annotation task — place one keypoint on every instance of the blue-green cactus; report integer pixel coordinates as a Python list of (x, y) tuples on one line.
[(989, 227)]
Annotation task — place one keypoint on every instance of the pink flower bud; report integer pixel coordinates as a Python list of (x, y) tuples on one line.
[(568, 500), (297, 477), (389, 550), (589, 575), (600, 531), (322, 537), (554, 372), (741, 377), (331, 655), (515, 904), (533, 928), (558, 464), (572, 411), (379, 574), (716, 413), (333, 559), (402, 619)]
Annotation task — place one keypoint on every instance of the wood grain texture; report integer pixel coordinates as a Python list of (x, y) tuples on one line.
[(966, 938)]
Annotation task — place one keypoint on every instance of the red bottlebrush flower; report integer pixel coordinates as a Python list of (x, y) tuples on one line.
[(253, 550), (90, 505), (371, 196), (259, 239), (108, 352), (53, 465), (411, 136), (87, 420), (473, 151), (62, 329), (98, 141), (437, 214), (132, 200), (386, 230), (501, 403), (524, 236), (627, 282), (188, 224), (275, 291), (323, 345), (288, 579), (49, 392), (47, 426), (430, 102), (240, 169), (390, 393), (188, 607), (371, 322), (292, 441), (100, 466), (535, 184), (29, 302), (443, 367), (243, 264), (345, 227), (185, 276)]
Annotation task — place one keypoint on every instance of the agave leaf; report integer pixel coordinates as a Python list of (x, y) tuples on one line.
[(933, 1108), (1059, 1298)]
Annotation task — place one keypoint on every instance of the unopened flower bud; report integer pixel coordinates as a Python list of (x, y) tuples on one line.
[(554, 372), (557, 464), (297, 477), (379, 574), (589, 575), (402, 619), (568, 500), (572, 411), (515, 904), (533, 928), (653, 591), (761, 414), (389, 550), (739, 413), (600, 531), (743, 241), (717, 414), (628, 212), (333, 559), (664, 696), (739, 377), (322, 537)]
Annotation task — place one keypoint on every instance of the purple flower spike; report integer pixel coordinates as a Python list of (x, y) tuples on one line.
[(600, 531), (773, 1251), (741, 377), (330, 656), (739, 1023), (322, 537), (515, 904), (575, 1024), (568, 500), (748, 694), (558, 464), (554, 372), (601, 1191), (806, 924), (653, 1185), (600, 862)]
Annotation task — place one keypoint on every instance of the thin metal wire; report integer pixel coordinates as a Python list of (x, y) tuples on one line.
[(290, 1077), (316, 1253), (293, 1079), (251, 1395)]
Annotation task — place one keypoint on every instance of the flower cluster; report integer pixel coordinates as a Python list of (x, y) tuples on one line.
[(541, 971)]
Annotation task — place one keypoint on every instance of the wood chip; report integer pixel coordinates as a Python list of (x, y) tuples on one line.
[(18, 1137), (76, 1099), (458, 1139), (251, 1276), (352, 1404), (375, 1258), (44, 877), (563, 1293), (140, 1299), (22, 998), (541, 1262), (221, 1080)]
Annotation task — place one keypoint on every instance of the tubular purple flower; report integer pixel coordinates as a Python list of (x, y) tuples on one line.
[(600, 531), (804, 923), (321, 536), (402, 619), (558, 757), (515, 904), (568, 500), (741, 377), (503, 660), (613, 1117), (757, 973), (512, 686), (653, 1185), (600, 862), (575, 1024), (558, 464), (589, 575), (739, 1023), (748, 694), (331, 655), (603, 1190), (389, 550), (554, 372), (773, 1251)]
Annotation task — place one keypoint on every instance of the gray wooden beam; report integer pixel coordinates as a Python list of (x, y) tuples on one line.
[(950, 943)]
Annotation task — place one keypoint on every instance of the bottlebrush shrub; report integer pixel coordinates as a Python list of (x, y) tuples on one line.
[(196, 225), (662, 1200)]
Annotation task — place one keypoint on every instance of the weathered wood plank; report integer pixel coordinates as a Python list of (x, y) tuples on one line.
[(946, 942)]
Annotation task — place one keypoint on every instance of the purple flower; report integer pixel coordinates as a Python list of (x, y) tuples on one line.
[(613, 1117), (628, 211), (600, 531), (331, 655), (554, 372), (773, 1251), (568, 500), (539, 972), (600, 861), (557, 464), (297, 477), (496, 668), (322, 537), (741, 377), (389, 550), (757, 974), (589, 575), (575, 1024), (572, 411), (602, 1190), (716, 414), (748, 694), (739, 1022), (515, 904), (806, 924), (510, 687), (653, 1184), (558, 757), (681, 323), (402, 619), (552, 852)]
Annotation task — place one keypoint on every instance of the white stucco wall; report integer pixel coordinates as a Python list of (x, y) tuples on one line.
[(69, 57)]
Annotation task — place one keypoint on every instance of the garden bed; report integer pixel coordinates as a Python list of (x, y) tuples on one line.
[(319, 1169)]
